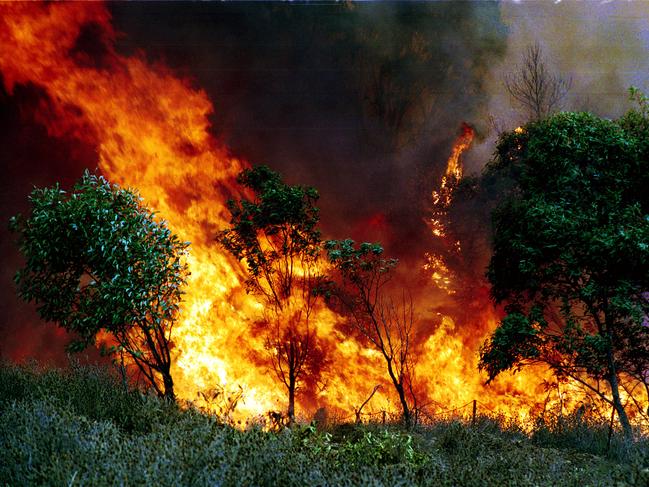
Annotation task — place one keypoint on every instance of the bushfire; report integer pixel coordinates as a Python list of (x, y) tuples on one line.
[(151, 132)]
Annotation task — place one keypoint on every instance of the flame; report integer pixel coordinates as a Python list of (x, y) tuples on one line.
[(455, 351), (439, 272), (151, 132), (442, 197), (454, 165)]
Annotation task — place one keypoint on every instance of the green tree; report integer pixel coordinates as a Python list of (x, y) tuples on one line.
[(97, 259), (276, 235), (571, 252), (359, 288)]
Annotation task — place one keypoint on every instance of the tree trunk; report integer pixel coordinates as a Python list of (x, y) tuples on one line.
[(398, 385), (291, 401), (407, 417), (168, 386), (615, 392)]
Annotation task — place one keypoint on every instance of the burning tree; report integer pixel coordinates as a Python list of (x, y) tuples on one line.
[(276, 235), (571, 252), (386, 324), (96, 258)]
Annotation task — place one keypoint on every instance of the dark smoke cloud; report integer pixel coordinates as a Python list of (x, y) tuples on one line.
[(310, 90), (361, 101)]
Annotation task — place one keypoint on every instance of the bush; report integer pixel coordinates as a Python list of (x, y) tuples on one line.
[(82, 427), (574, 432), (86, 390)]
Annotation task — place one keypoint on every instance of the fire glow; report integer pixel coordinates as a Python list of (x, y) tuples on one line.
[(151, 132)]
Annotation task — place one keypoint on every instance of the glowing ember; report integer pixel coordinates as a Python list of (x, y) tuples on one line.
[(438, 271)]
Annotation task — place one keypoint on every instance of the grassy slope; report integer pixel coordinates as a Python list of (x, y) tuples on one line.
[(82, 428)]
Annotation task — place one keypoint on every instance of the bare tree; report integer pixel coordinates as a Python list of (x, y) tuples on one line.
[(392, 335), (539, 92), (386, 325)]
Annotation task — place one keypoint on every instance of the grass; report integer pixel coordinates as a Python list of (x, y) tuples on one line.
[(83, 427)]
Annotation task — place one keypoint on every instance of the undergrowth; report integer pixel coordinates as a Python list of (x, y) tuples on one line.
[(83, 427)]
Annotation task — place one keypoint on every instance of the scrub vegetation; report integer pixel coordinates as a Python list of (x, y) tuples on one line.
[(82, 426)]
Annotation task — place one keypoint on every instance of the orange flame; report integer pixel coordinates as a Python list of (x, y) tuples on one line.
[(454, 165), (442, 196), (454, 350), (151, 132)]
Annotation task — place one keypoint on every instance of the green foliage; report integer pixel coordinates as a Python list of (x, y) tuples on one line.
[(576, 228), (571, 249), (357, 263), (97, 258), (636, 123), (276, 234), (642, 102), (363, 271), (381, 449), (48, 438), (272, 232), (360, 271), (512, 343)]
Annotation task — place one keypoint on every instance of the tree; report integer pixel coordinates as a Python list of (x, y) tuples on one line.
[(97, 258), (276, 234), (534, 88), (386, 325), (571, 252)]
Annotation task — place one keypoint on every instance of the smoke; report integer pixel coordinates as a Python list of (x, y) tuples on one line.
[(30, 157), (361, 101), (602, 46)]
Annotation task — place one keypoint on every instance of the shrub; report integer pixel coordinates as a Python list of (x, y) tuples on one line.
[(83, 427)]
